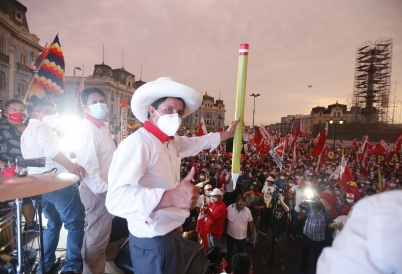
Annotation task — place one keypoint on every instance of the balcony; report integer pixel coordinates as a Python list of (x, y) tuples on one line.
[(22, 67), (4, 58)]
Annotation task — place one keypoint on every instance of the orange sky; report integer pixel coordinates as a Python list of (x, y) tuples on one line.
[(292, 44)]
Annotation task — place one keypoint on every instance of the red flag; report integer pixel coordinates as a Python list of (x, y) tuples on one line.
[(321, 142), (306, 135), (202, 130), (380, 148), (355, 145), (397, 137), (340, 140), (257, 139)]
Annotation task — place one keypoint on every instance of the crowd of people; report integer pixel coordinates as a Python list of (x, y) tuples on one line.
[(159, 181), (310, 204)]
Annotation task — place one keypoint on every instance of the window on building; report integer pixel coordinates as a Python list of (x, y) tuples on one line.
[(2, 81), (22, 87), (112, 97), (339, 114), (2, 45), (23, 57)]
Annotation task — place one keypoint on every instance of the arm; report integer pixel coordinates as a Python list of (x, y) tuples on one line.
[(328, 208), (70, 166), (218, 213), (285, 207), (230, 131), (49, 146)]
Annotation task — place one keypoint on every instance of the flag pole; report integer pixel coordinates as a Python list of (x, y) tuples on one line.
[(239, 112)]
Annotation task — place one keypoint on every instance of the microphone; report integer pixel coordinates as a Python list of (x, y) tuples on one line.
[(34, 162)]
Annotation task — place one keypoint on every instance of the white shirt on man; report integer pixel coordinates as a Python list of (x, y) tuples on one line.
[(238, 221), (94, 149), (143, 168), (39, 140)]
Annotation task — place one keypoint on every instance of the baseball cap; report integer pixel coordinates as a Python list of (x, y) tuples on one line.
[(216, 191)]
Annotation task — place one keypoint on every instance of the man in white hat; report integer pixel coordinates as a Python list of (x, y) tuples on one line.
[(144, 177)]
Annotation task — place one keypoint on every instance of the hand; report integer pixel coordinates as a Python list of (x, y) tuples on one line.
[(185, 195), (77, 170), (232, 127)]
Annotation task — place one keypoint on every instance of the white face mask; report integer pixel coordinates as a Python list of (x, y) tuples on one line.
[(337, 193), (291, 184), (51, 120), (202, 177), (350, 201), (214, 199), (297, 176), (169, 123), (392, 185), (282, 177)]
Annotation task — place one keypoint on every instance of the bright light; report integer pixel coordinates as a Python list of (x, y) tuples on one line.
[(309, 193), (69, 123)]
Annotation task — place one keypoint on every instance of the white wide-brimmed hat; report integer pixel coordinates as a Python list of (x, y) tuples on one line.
[(148, 93)]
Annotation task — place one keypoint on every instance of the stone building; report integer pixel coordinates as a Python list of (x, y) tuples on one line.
[(321, 115), (213, 112), (115, 83), (18, 48)]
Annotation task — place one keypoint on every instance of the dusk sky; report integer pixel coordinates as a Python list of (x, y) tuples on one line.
[(292, 44)]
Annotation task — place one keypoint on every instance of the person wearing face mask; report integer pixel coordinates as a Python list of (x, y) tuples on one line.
[(239, 217), (215, 218), (202, 204), (94, 148), (144, 180), (281, 181), (61, 206), (10, 142)]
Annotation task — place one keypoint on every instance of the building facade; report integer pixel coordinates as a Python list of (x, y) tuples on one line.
[(213, 112), (18, 48), (115, 83)]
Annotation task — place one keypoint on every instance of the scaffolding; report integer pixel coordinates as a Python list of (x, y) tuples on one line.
[(372, 82)]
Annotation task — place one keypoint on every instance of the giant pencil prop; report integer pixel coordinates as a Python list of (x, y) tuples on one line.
[(239, 113)]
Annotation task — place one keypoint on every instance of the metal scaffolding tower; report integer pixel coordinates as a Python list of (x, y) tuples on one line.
[(372, 82)]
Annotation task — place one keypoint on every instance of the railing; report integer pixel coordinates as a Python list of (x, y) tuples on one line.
[(4, 58), (23, 67)]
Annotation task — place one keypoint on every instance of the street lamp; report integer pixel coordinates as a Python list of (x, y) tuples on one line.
[(332, 122), (254, 95), (74, 78)]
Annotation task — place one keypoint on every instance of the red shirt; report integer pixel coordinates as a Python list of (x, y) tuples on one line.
[(331, 200), (216, 215)]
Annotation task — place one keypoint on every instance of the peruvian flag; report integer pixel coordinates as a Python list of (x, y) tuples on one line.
[(202, 130), (321, 142), (380, 148)]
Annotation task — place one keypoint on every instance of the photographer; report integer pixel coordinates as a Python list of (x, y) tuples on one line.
[(277, 227), (315, 210)]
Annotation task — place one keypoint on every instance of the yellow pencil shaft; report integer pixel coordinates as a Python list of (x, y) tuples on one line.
[(239, 112)]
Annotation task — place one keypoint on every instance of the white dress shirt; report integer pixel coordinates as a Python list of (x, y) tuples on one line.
[(94, 149), (370, 241), (238, 221), (39, 140), (143, 168)]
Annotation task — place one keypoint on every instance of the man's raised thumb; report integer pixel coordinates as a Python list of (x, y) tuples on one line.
[(190, 175)]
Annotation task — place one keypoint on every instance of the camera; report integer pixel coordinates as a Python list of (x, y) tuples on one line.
[(312, 201)]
